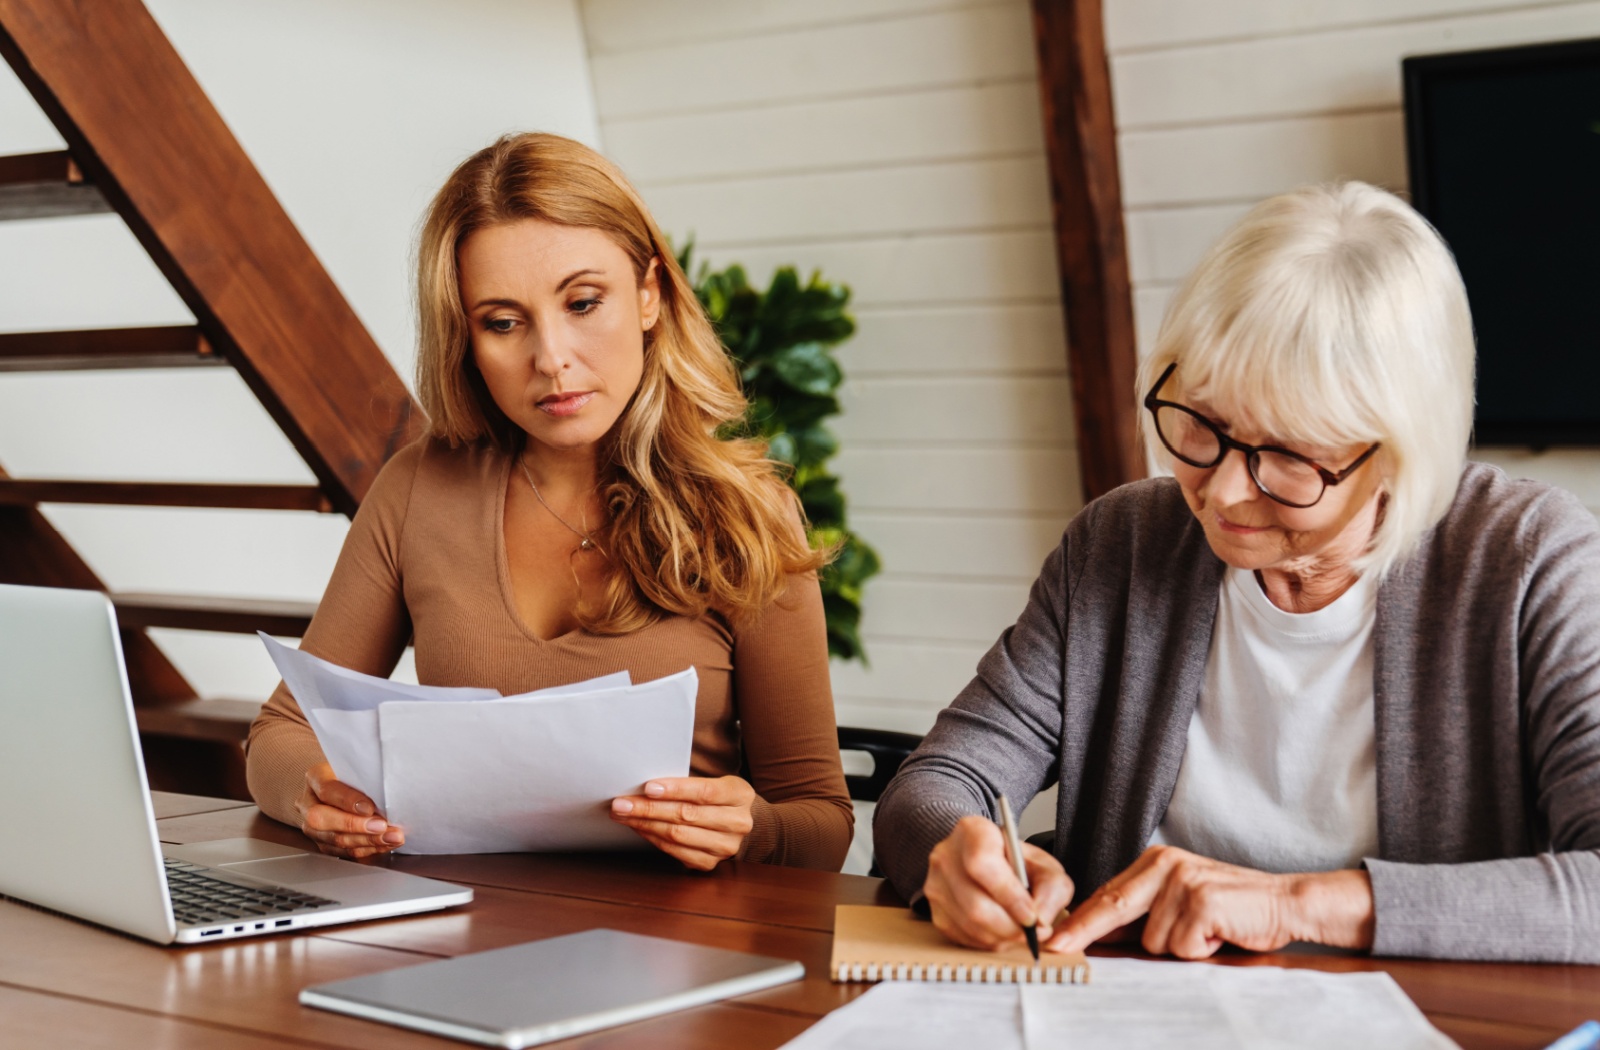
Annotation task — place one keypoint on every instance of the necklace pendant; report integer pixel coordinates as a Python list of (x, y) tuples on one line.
[(585, 544)]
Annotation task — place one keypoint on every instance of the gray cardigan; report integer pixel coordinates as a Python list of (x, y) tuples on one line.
[(1487, 700)]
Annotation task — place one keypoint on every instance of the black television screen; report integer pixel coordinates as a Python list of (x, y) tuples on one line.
[(1504, 152)]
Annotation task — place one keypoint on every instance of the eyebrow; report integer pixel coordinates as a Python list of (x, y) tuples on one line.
[(577, 274), (481, 303)]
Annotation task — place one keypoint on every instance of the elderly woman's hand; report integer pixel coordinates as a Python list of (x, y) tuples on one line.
[(974, 892), (699, 820), (1193, 904), (341, 820)]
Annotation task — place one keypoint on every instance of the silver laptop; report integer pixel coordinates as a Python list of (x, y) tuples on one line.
[(77, 831)]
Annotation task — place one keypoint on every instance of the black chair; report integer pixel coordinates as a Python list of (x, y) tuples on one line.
[(887, 748)]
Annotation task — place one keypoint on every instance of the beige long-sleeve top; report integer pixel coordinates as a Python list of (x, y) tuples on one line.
[(425, 562)]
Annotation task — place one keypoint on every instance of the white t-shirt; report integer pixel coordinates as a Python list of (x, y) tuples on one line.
[(1280, 769)]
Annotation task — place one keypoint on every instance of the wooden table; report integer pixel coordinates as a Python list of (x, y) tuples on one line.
[(67, 983)]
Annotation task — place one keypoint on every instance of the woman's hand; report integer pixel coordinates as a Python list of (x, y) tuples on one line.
[(700, 821), (1194, 904), (341, 820), (974, 892)]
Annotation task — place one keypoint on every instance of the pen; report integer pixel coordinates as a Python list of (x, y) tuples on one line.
[(1584, 1037), (1014, 847)]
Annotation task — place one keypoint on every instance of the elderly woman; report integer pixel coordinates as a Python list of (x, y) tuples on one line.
[(1328, 682)]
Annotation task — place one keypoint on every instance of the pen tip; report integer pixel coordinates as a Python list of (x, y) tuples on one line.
[(1032, 934)]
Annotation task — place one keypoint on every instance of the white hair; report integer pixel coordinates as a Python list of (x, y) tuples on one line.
[(1334, 315)]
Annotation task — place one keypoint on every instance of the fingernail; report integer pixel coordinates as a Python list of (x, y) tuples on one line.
[(375, 825), (621, 805), (363, 809), (393, 837), (654, 790)]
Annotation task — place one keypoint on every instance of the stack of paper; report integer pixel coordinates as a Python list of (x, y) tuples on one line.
[(470, 771), (1133, 1003)]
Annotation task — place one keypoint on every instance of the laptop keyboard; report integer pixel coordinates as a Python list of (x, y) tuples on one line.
[(199, 897)]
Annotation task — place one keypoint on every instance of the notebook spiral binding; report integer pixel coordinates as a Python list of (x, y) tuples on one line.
[(873, 972)]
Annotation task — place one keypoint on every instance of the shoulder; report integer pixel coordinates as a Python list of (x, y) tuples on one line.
[(1494, 515)]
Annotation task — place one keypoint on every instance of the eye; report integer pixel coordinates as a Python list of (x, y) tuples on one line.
[(501, 325), (584, 306)]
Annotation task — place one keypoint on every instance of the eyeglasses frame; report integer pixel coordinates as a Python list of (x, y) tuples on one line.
[(1226, 444)]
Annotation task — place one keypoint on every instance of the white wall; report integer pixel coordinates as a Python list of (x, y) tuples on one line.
[(354, 111), (1222, 103), (897, 145)]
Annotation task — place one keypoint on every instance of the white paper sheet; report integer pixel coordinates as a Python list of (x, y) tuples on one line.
[(539, 772), (1132, 1002), (909, 1015), (1136, 1003), (531, 774)]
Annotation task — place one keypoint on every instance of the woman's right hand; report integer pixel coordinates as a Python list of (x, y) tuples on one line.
[(341, 820), (973, 889)]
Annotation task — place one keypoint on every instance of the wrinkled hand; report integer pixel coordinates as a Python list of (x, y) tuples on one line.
[(341, 820), (698, 820), (1193, 904), (974, 892)]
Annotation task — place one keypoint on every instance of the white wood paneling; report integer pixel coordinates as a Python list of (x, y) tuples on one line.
[(1165, 243), (961, 196), (932, 339), (961, 611), (981, 545), (622, 25), (1247, 161), (960, 123), (919, 672), (1022, 480), (939, 270), (943, 410), (971, 45), (1356, 68), (1139, 24)]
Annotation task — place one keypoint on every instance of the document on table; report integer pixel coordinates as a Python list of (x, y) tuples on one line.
[(469, 771), (1131, 1002)]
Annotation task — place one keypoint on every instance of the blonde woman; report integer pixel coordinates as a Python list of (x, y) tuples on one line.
[(573, 512)]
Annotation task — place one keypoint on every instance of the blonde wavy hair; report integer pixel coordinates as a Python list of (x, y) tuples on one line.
[(1334, 315), (697, 521)]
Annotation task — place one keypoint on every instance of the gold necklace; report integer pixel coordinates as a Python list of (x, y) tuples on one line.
[(588, 542)]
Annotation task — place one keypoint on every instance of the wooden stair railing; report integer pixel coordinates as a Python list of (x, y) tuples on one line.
[(144, 141), (174, 346)]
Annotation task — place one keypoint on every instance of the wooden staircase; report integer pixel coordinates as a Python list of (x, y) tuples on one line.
[(145, 142)]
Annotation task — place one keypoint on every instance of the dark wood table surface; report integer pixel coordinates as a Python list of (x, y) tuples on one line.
[(66, 983)]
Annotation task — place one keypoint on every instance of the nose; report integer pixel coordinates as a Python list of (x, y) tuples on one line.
[(550, 356), (1230, 481)]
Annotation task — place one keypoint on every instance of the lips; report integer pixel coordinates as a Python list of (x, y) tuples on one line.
[(567, 404), (1243, 530)]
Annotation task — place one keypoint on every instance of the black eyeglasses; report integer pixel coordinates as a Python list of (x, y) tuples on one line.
[(1279, 473)]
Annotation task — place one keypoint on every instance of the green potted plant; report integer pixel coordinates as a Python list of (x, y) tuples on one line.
[(782, 340)]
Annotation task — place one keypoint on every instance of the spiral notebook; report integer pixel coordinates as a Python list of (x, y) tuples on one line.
[(891, 944)]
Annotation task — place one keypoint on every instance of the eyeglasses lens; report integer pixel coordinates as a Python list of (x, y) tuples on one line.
[(1187, 437), (1290, 480), (1284, 478)]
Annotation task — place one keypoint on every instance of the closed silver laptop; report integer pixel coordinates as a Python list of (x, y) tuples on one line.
[(77, 831)]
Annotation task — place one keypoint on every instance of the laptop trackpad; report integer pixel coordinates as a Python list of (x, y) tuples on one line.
[(284, 865), (298, 871)]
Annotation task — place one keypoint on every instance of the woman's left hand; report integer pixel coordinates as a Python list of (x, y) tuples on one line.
[(700, 821), (1193, 904)]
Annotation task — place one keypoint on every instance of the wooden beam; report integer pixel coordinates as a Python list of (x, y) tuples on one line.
[(32, 491), (143, 131), (45, 185), (1091, 247), (32, 552), (167, 346)]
